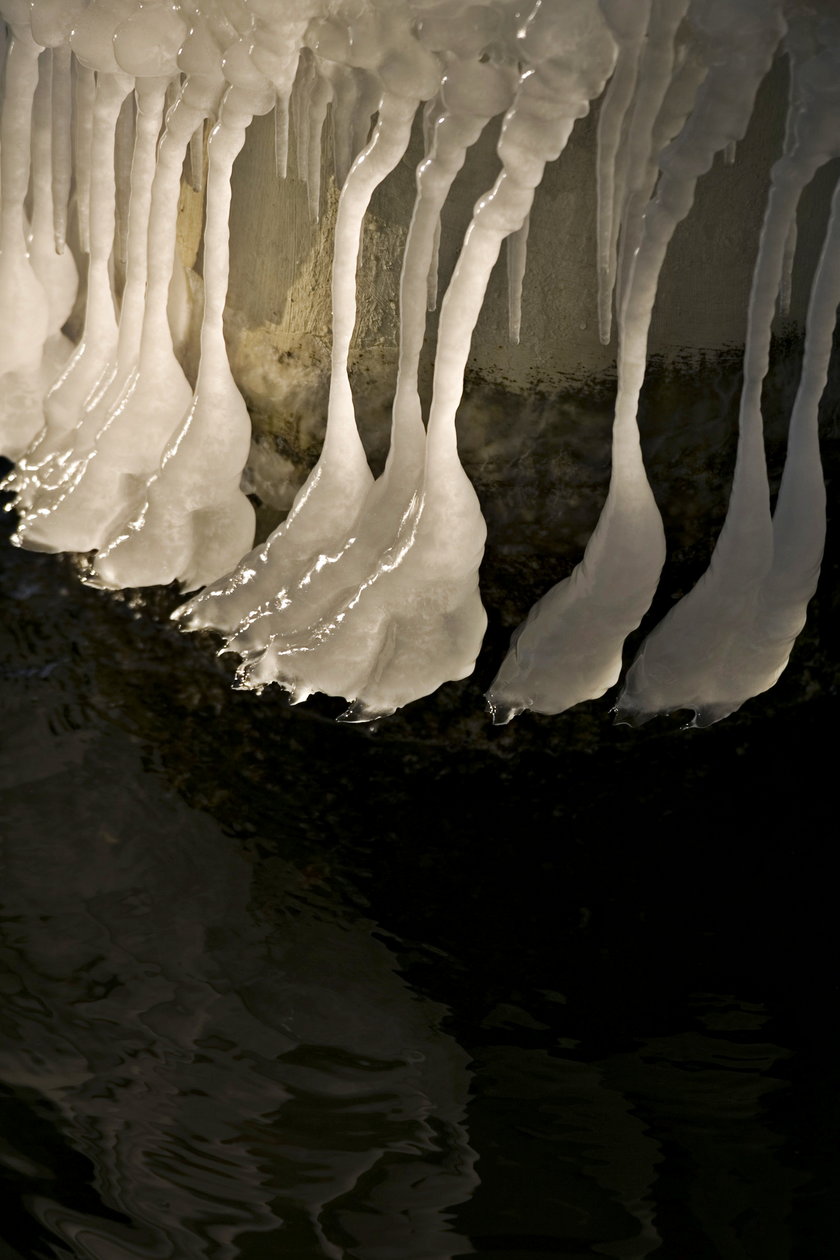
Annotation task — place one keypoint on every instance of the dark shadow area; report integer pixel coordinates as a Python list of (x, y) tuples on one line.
[(278, 987)]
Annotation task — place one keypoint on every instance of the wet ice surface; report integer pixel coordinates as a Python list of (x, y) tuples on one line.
[(274, 987)]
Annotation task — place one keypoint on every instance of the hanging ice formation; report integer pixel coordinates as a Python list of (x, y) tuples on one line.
[(369, 588)]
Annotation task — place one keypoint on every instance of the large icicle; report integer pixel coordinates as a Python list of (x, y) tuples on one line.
[(730, 637), (472, 94), (569, 648), (195, 522), (93, 364), (417, 620), (330, 499), (25, 315), (85, 485)]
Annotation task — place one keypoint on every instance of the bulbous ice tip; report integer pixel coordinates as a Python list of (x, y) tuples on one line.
[(359, 712), (503, 711)]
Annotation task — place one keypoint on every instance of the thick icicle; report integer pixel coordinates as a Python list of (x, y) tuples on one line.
[(91, 472), (417, 621), (92, 365), (569, 649), (472, 94), (730, 637), (127, 426), (24, 305), (330, 499), (22, 397), (195, 522)]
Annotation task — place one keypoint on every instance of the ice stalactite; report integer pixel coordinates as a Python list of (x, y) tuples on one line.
[(570, 647), (368, 590), (195, 522), (24, 305), (21, 410), (472, 94), (93, 363), (730, 638), (333, 495), (417, 619)]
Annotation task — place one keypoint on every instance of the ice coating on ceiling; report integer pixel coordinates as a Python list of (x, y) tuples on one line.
[(369, 589)]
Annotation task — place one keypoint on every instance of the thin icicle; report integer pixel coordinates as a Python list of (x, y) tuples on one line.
[(630, 31), (62, 142), (281, 135), (197, 156), (123, 150), (84, 104), (321, 93), (668, 81), (517, 255)]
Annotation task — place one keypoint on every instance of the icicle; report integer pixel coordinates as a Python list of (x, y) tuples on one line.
[(56, 271), (331, 498), (100, 472), (417, 620), (62, 142), (195, 521), (93, 364), (281, 136), (77, 499), (517, 253), (319, 98), (345, 98), (196, 156), (630, 29), (786, 282), (300, 116), (123, 150), (82, 140), (666, 92), (721, 643), (24, 307), (473, 93), (570, 647)]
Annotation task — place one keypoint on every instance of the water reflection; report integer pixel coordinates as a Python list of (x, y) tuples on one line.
[(207, 1050), (226, 1073)]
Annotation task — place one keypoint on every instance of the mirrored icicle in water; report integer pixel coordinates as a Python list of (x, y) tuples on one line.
[(730, 638), (570, 647)]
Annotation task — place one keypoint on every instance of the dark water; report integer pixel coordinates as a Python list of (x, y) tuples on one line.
[(277, 988)]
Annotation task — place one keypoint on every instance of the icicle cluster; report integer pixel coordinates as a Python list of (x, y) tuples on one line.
[(369, 588)]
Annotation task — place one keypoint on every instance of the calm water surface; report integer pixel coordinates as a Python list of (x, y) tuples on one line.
[(277, 988)]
